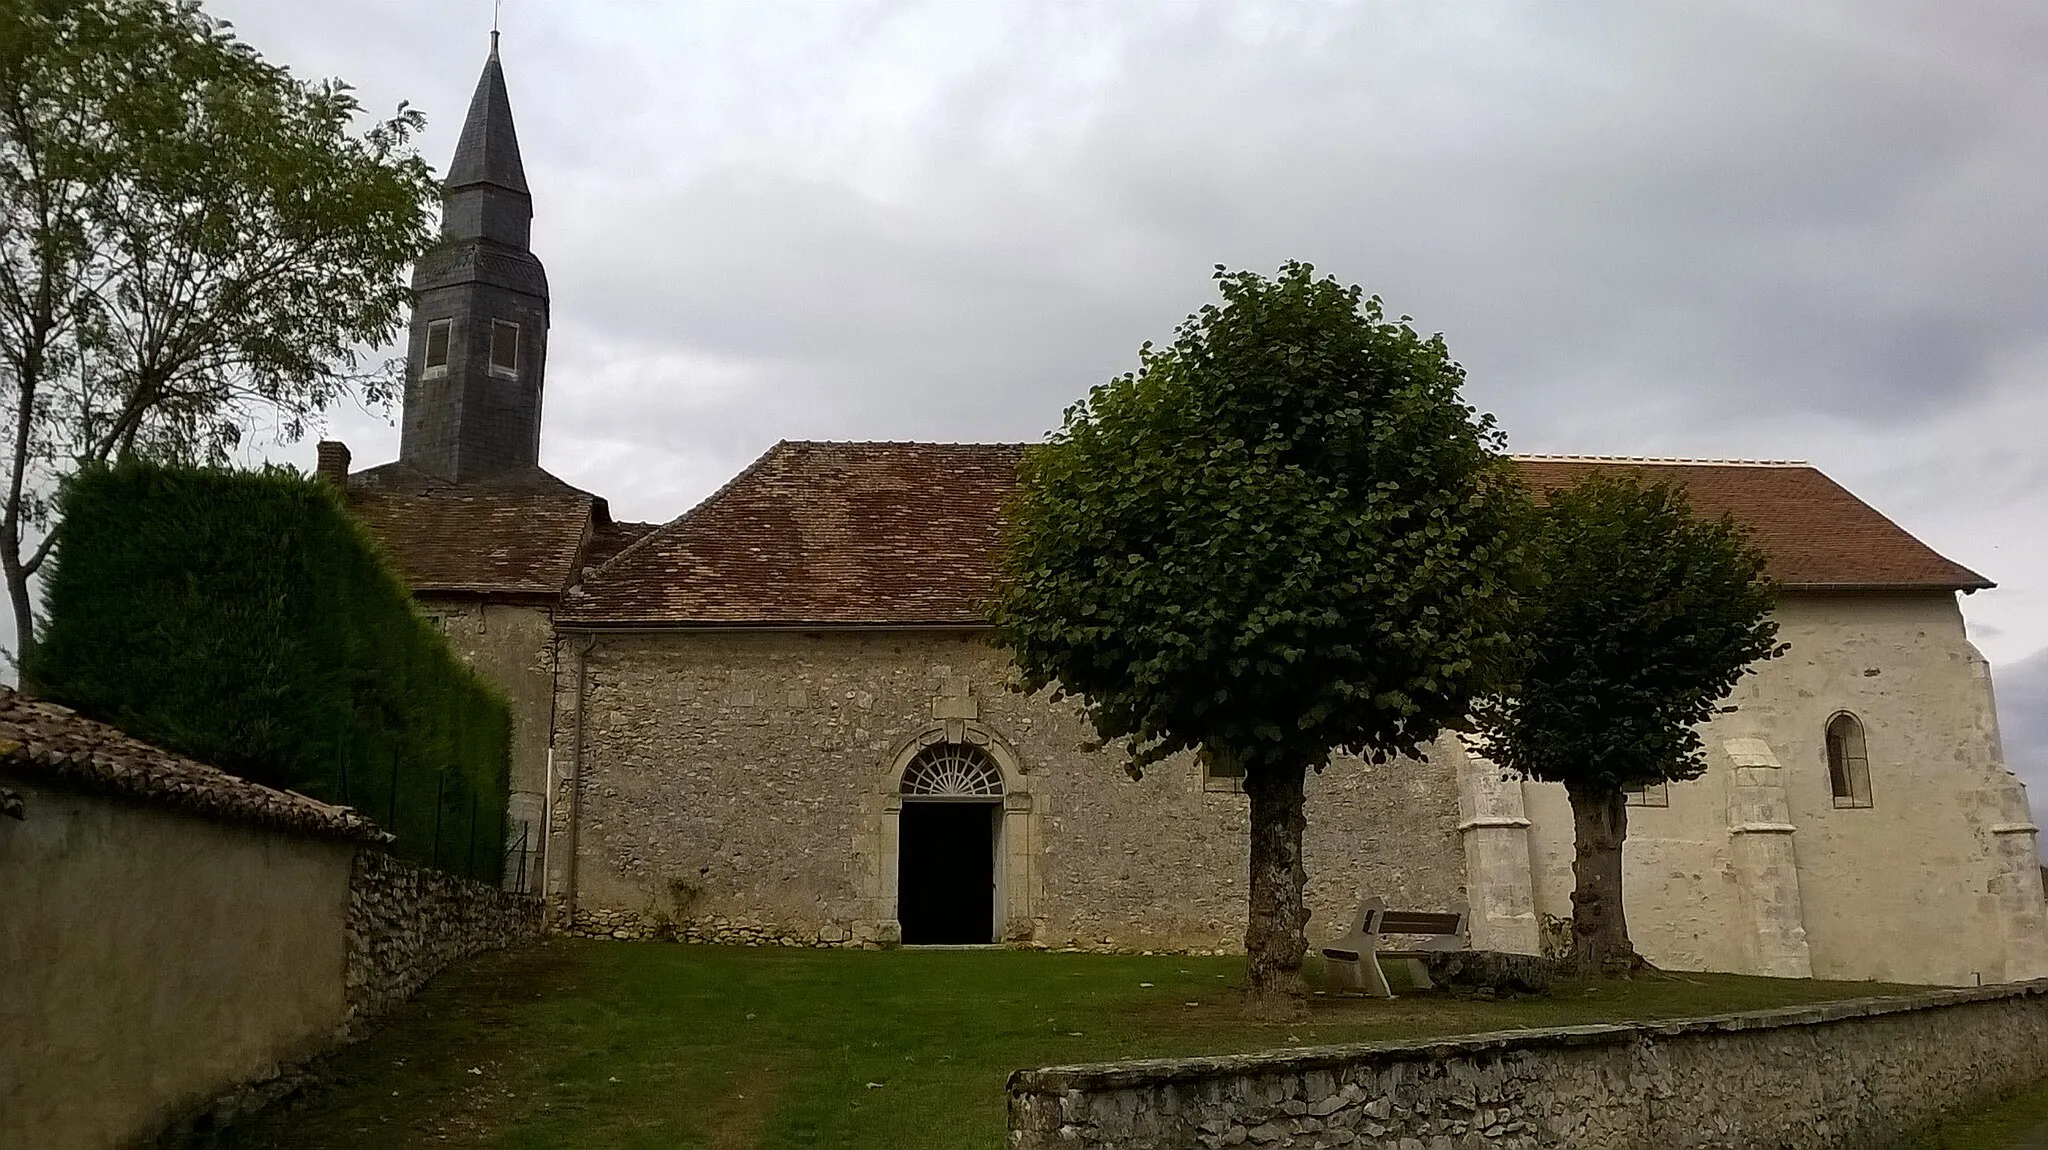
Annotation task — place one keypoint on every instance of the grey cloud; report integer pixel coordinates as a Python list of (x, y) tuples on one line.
[(2023, 724), (1737, 231)]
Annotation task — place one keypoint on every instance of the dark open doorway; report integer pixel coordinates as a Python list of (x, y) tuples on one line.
[(946, 873)]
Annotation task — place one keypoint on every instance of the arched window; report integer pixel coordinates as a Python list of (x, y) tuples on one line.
[(952, 771), (1848, 762)]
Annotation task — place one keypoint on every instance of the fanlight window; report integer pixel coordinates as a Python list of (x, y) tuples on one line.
[(952, 771), (1848, 762)]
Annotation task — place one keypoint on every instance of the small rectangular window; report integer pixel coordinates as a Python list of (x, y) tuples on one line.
[(437, 349), (504, 349), (1220, 772), (1654, 795)]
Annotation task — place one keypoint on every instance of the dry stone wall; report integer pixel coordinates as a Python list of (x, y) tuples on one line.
[(406, 922), (1847, 1074)]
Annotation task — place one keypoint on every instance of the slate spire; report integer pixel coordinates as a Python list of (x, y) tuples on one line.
[(480, 310), (488, 152)]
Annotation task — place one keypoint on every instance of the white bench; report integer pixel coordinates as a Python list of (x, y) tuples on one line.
[(1354, 961)]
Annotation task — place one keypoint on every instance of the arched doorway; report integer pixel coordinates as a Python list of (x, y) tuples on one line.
[(949, 841)]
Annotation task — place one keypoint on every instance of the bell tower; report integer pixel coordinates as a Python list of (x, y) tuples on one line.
[(478, 347)]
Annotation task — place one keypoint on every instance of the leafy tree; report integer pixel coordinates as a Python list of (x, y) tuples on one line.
[(1285, 535), (192, 243), (1646, 617)]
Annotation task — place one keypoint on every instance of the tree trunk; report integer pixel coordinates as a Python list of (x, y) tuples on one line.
[(1600, 944), (1276, 937), (24, 614)]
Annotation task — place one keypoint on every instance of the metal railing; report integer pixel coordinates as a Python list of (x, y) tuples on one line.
[(519, 853)]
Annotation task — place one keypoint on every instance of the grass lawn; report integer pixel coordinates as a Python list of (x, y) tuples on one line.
[(607, 1044)]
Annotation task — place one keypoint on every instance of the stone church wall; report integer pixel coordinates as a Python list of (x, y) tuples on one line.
[(736, 786), (1752, 868), (512, 645)]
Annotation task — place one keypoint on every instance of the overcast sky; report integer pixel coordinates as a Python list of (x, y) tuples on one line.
[(1810, 231)]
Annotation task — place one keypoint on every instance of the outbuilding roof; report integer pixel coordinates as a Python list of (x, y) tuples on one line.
[(517, 535), (45, 743), (904, 534)]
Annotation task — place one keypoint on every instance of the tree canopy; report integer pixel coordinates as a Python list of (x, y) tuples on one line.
[(1644, 618), (1286, 534), (192, 242)]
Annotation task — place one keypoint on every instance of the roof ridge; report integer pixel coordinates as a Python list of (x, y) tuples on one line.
[(905, 443), (1662, 460), (701, 504), (1654, 460)]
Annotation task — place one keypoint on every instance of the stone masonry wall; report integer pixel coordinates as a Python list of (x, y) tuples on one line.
[(513, 646), (1849, 1074), (736, 788), (406, 922)]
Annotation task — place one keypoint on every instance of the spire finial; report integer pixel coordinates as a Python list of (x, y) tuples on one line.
[(496, 7)]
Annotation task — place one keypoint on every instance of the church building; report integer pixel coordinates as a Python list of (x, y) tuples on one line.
[(777, 718)]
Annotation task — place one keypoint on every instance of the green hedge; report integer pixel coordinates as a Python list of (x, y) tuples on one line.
[(245, 619)]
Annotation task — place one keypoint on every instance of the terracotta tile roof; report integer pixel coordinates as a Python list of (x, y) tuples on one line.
[(607, 542), (832, 533), (902, 533), (45, 743), (522, 536), (1818, 535)]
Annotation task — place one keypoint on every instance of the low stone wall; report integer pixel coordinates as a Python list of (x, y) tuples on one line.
[(1846, 1074), (406, 922)]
